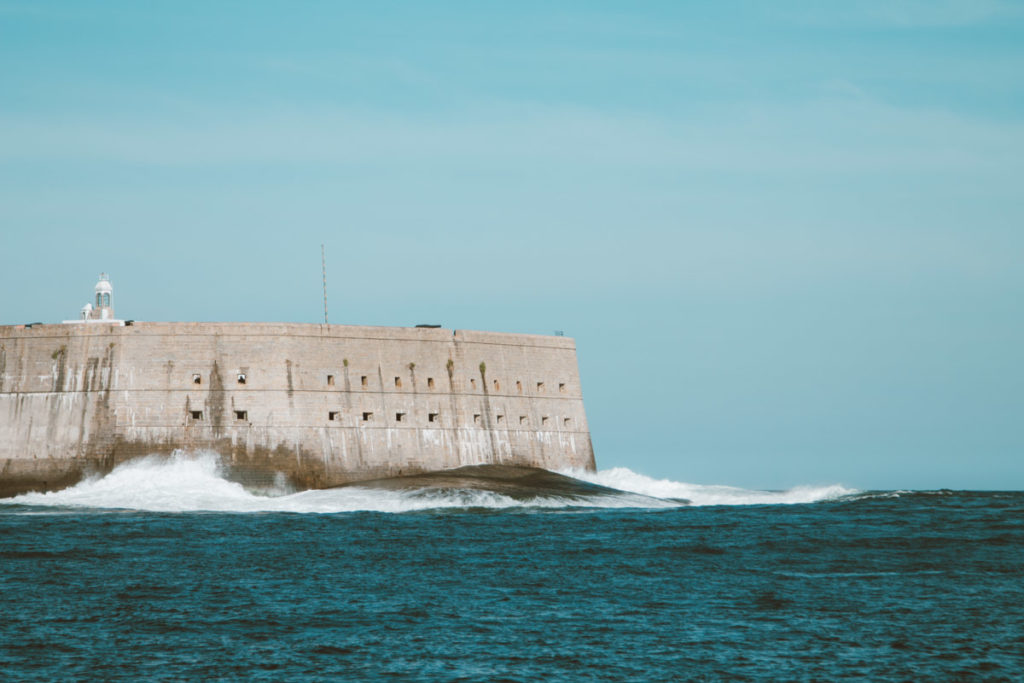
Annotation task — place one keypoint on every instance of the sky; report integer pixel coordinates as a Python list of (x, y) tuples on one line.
[(787, 237)]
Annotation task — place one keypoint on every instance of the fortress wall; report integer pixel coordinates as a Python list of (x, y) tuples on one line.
[(81, 398)]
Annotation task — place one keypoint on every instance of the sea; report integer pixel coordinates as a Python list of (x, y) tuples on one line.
[(167, 570)]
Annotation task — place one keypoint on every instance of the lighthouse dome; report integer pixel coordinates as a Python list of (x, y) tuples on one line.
[(104, 284)]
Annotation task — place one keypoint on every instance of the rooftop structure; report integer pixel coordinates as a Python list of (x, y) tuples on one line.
[(102, 309)]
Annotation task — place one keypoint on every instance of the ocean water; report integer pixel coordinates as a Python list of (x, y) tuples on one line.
[(165, 570)]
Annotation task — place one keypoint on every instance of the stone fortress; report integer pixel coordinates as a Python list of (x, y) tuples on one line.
[(323, 405)]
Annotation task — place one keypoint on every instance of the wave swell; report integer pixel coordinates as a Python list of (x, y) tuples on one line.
[(625, 479), (196, 482)]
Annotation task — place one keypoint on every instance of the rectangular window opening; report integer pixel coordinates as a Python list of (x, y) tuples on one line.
[(501, 419), (430, 383), (561, 387), (330, 380), (497, 385), (540, 386), (519, 386), (241, 378), (522, 419), (196, 414), (197, 378), (544, 420), (476, 419), (334, 415), (367, 417), (363, 382), (398, 381), (241, 414), (472, 383), (399, 417), (433, 417), (567, 421)]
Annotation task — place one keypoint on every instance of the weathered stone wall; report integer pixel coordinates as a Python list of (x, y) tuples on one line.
[(76, 399)]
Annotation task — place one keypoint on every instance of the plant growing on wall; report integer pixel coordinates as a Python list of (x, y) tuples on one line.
[(483, 367)]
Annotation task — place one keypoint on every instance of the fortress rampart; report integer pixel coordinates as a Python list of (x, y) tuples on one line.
[(322, 404)]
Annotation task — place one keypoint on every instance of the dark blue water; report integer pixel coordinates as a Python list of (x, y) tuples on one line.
[(915, 587)]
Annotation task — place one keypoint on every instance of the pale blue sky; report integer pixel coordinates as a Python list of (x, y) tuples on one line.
[(786, 236)]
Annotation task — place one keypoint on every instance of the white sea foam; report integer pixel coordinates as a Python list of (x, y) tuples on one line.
[(187, 482), (624, 479)]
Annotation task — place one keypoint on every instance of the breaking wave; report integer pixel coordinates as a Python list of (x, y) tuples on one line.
[(624, 479), (196, 482)]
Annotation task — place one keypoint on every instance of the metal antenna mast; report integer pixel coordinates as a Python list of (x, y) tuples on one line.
[(323, 268)]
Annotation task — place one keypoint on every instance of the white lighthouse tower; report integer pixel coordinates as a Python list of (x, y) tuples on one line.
[(103, 308)]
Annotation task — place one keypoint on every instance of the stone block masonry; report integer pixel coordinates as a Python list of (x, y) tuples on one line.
[(323, 404)]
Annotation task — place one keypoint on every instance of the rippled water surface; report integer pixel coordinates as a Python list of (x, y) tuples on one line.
[(450, 584)]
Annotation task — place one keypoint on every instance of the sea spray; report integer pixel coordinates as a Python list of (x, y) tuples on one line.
[(196, 482), (624, 479)]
